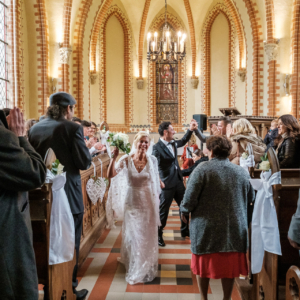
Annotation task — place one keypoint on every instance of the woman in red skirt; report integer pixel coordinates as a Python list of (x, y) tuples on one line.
[(218, 196)]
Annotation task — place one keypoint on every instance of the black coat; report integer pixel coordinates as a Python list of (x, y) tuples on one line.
[(22, 169), (67, 141), (288, 153), (188, 172), (169, 170), (270, 137)]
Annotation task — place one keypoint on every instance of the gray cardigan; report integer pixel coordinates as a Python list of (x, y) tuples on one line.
[(217, 196)]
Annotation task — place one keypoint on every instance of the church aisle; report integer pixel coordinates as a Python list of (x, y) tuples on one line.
[(104, 277)]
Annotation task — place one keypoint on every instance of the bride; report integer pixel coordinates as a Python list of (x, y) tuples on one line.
[(139, 250)]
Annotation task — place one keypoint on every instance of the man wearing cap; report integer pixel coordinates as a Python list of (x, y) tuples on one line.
[(66, 139)]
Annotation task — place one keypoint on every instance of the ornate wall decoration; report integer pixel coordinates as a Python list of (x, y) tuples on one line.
[(115, 11), (271, 51), (205, 57), (64, 55)]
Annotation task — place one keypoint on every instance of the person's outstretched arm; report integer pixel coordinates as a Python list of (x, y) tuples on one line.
[(201, 136)]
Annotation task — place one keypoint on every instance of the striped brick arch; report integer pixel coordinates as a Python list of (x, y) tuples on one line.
[(295, 78), (182, 100), (128, 68), (206, 60)]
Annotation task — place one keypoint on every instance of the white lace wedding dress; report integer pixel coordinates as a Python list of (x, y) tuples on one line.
[(139, 250)]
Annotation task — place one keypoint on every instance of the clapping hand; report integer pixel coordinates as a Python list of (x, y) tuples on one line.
[(215, 130), (228, 130), (98, 146), (15, 121), (193, 125)]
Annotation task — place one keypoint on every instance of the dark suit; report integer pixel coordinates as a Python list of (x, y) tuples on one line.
[(170, 174), (67, 141), (22, 169)]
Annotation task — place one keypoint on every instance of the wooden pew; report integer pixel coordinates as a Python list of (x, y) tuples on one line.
[(267, 284), (94, 218), (292, 283), (58, 278)]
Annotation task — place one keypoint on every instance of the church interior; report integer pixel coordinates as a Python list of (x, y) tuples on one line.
[(238, 58)]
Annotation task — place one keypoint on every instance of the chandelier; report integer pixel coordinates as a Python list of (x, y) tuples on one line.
[(168, 48)]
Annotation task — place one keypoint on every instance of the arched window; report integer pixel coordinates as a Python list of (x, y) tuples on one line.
[(3, 54)]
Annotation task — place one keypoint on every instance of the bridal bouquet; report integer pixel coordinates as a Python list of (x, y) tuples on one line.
[(265, 164), (120, 140)]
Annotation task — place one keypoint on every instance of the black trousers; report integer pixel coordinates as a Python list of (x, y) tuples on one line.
[(78, 218), (166, 198)]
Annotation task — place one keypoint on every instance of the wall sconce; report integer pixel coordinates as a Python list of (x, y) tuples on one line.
[(140, 83), (286, 84), (242, 74), (195, 82), (52, 85)]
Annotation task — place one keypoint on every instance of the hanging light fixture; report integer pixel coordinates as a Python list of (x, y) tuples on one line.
[(168, 48)]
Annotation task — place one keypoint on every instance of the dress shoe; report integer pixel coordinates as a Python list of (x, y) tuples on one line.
[(185, 234), (161, 241), (80, 295)]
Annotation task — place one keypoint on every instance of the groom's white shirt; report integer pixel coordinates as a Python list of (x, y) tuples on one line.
[(169, 146)]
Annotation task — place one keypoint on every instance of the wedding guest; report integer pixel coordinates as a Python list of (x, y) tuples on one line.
[(294, 229), (198, 158), (219, 225), (288, 142), (76, 120), (86, 129), (28, 124), (165, 150), (93, 131), (93, 146), (188, 162), (65, 138), (271, 135), (241, 134), (22, 169), (220, 129), (139, 250)]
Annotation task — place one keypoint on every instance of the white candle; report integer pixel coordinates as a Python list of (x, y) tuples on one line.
[(155, 40), (179, 36), (153, 46), (168, 40), (148, 41)]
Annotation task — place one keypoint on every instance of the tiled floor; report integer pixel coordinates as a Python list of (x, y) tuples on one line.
[(104, 277)]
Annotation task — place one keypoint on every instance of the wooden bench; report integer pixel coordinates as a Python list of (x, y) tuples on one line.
[(268, 284), (58, 278)]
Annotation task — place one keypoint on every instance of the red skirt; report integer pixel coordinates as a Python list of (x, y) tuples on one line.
[(220, 265)]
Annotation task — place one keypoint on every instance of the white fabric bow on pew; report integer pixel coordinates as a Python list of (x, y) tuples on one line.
[(62, 230), (249, 162), (104, 137), (265, 232)]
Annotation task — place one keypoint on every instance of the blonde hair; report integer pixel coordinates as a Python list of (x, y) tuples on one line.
[(275, 121), (242, 126), (193, 139), (138, 137)]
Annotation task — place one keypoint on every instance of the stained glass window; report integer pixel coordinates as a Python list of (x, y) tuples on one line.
[(3, 54)]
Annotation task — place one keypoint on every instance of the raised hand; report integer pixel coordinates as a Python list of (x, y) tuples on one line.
[(193, 125), (115, 153), (228, 130), (215, 130), (15, 122), (98, 146)]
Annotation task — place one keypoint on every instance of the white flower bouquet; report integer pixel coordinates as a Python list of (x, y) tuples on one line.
[(120, 140), (245, 155), (265, 164), (57, 168)]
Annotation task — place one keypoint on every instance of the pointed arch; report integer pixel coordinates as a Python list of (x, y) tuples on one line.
[(128, 68), (206, 60)]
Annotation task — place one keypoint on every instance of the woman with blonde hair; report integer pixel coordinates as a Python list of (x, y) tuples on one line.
[(241, 134), (137, 174), (188, 162)]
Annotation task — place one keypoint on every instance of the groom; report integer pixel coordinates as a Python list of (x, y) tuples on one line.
[(170, 174)]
